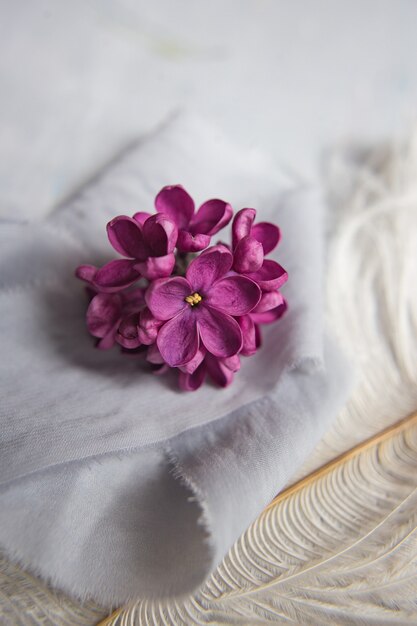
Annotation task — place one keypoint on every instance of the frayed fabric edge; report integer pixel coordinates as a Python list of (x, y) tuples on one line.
[(204, 520)]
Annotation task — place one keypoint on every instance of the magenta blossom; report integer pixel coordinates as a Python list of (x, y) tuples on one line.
[(148, 242), (250, 245), (154, 357), (208, 315), (202, 307), (109, 278), (270, 308), (111, 316), (194, 229), (148, 327), (221, 372)]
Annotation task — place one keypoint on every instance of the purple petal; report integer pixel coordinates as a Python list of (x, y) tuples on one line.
[(175, 202), (232, 363), (192, 365), (192, 382), (160, 234), (157, 266), (269, 300), (141, 216), (166, 297), (160, 371), (148, 327), (154, 356), (127, 333), (219, 371), (268, 234), (270, 316), (192, 243), (270, 276), (116, 275), (103, 313), (211, 265), (125, 235), (178, 339), (248, 255), (247, 326), (242, 225), (220, 333), (234, 295), (86, 272), (211, 217), (133, 300), (108, 340)]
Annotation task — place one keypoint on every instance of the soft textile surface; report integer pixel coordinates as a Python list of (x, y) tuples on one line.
[(115, 484)]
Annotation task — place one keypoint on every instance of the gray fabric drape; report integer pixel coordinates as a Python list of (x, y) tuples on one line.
[(113, 483)]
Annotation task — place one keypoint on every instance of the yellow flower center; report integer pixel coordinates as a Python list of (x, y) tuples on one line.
[(193, 299)]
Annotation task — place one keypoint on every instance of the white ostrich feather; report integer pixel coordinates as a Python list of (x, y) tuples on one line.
[(341, 548), (372, 288)]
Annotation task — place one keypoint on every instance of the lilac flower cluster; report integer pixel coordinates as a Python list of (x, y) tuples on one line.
[(198, 313)]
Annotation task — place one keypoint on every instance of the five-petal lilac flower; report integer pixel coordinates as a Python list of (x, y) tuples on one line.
[(201, 308)]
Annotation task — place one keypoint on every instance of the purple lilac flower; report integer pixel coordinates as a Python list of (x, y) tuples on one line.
[(110, 317), (194, 229), (250, 245), (148, 327), (270, 308), (148, 244), (200, 323), (147, 241), (220, 370), (201, 308), (109, 278), (154, 357)]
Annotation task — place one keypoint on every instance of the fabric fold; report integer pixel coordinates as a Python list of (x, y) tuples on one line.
[(130, 486)]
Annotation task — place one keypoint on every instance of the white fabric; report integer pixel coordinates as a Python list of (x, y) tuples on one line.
[(99, 458)]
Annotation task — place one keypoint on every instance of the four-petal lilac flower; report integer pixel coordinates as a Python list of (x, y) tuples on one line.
[(148, 243), (250, 245), (202, 307), (221, 371), (270, 308), (194, 229), (147, 240), (110, 317)]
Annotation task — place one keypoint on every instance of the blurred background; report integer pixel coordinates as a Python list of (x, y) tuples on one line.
[(80, 80)]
